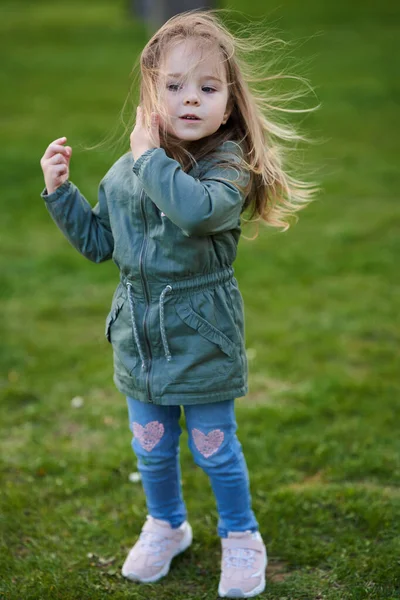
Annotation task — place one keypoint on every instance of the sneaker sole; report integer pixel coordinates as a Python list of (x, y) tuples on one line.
[(184, 545), (238, 593)]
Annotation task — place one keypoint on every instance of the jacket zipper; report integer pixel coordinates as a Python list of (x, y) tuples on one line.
[(147, 295)]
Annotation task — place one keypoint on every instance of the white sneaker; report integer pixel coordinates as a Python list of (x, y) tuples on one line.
[(243, 564), (151, 556)]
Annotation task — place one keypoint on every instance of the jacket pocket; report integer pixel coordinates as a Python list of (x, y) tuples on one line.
[(119, 333), (112, 316), (205, 329), (200, 351)]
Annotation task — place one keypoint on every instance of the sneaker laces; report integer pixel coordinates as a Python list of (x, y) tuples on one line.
[(152, 543), (242, 558)]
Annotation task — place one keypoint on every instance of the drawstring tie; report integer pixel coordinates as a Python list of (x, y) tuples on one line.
[(165, 291), (134, 328)]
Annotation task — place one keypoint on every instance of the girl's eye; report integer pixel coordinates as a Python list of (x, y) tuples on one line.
[(173, 87)]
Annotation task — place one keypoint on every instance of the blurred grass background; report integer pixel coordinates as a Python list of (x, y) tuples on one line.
[(319, 426)]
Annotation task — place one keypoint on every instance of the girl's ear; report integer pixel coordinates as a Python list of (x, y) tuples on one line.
[(227, 114), (228, 111)]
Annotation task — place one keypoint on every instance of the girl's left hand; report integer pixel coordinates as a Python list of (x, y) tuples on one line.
[(143, 138)]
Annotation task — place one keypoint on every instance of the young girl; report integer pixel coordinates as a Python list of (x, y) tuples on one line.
[(169, 215)]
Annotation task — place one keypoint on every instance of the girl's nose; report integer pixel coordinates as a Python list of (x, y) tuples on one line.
[(189, 100)]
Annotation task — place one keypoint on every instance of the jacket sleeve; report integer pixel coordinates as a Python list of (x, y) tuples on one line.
[(87, 229), (198, 206)]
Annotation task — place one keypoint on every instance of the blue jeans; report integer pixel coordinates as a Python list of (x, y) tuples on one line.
[(215, 448)]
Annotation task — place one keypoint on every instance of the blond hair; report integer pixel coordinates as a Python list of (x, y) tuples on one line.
[(272, 194)]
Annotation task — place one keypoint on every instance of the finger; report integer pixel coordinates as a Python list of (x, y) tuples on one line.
[(60, 169), (155, 128), (60, 140), (139, 116), (57, 159), (143, 117), (53, 149)]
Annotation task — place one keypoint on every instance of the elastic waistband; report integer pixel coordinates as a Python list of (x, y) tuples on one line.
[(180, 286)]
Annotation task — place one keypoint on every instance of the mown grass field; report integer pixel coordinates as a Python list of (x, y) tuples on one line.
[(319, 426)]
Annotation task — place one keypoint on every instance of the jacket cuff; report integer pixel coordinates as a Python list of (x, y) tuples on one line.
[(60, 191), (142, 160)]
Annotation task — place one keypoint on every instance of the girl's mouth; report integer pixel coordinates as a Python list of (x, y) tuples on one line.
[(190, 118)]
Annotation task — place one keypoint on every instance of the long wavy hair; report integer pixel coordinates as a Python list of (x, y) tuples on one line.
[(272, 195)]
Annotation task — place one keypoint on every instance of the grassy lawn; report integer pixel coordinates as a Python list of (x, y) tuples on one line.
[(319, 426)]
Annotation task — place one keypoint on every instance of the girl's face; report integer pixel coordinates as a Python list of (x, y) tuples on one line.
[(203, 94)]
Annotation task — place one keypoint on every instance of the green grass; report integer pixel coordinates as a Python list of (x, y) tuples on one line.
[(319, 426)]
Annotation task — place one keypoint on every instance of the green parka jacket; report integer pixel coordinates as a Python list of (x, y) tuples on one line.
[(176, 322)]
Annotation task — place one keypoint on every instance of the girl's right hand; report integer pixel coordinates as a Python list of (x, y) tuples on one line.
[(55, 164)]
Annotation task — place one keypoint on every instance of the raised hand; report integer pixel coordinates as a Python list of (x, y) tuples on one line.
[(144, 138), (55, 164)]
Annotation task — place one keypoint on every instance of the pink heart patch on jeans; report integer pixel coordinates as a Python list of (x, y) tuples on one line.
[(208, 444), (148, 436)]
